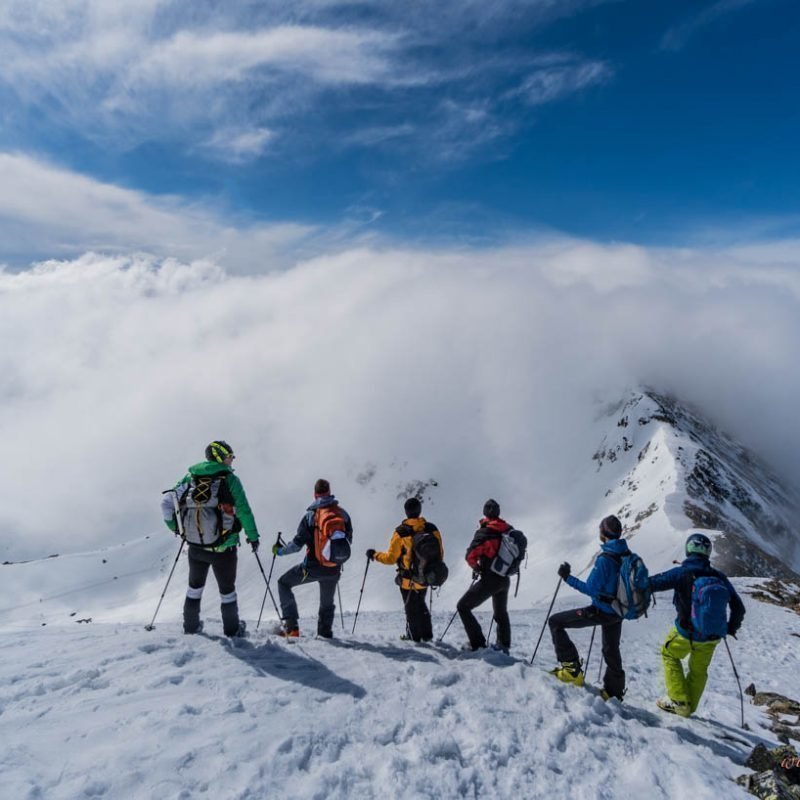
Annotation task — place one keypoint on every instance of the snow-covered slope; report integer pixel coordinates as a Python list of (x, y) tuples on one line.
[(667, 470), (92, 705), (111, 710)]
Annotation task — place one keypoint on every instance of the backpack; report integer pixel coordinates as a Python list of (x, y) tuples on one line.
[(710, 597), (331, 547), (633, 596), (207, 510), (510, 554), (427, 566)]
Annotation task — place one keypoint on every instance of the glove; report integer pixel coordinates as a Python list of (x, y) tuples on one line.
[(732, 631), (476, 575), (172, 524), (564, 571), (254, 545), (371, 554), (276, 549)]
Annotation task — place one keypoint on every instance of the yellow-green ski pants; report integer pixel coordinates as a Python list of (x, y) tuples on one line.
[(686, 687)]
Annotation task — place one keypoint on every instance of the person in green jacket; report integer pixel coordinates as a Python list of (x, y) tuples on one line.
[(213, 510)]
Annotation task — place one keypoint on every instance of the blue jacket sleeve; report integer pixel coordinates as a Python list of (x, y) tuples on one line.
[(666, 580), (305, 531), (289, 548), (737, 610), (598, 579)]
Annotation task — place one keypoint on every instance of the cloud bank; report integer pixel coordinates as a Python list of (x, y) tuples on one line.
[(47, 209), (375, 368)]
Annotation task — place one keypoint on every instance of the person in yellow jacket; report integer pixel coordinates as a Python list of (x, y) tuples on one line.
[(401, 554)]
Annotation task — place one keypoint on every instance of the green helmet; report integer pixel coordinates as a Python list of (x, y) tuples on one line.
[(218, 451), (698, 544)]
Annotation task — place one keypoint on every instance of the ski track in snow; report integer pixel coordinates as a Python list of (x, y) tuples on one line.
[(112, 710)]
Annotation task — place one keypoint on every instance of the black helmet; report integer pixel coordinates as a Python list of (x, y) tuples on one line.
[(611, 527), (698, 544), (218, 451), (491, 509), (412, 507)]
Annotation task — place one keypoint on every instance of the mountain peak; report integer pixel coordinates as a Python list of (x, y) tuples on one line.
[(665, 456)]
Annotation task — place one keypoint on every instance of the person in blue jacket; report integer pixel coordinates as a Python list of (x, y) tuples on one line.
[(687, 637), (601, 586)]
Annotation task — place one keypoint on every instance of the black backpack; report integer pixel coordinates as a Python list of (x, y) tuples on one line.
[(427, 566)]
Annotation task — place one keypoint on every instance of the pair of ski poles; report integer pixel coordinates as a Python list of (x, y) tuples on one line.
[(591, 643)]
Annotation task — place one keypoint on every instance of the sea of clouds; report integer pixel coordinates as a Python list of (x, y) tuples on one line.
[(482, 369)]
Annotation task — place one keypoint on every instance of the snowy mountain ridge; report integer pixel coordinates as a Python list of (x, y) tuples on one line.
[(667, 470)]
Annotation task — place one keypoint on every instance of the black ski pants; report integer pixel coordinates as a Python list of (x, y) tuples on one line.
[(611, 626), (496, 587), (418, 618), (297, 576), (224, 566)]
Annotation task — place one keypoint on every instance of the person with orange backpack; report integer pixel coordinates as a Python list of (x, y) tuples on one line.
[(326, 532), (416, 549)]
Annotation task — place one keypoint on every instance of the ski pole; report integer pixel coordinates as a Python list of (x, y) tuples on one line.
[(738, 683), (439, 640), (278, 541), (600, 669), (360, 595), (341, 612), (179, 522), (152, 624), (589, 654), (489, 635), (552, 602), (269, 591)]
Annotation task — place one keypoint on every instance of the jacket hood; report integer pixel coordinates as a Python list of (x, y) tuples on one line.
[(497, 525), (619, 547), (696, 561), (322, 502), (205, 468)]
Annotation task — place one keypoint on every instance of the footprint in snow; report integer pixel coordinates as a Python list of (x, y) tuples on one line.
[(445, 679)]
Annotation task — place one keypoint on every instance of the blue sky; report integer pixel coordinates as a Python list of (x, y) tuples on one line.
[(652, 121)]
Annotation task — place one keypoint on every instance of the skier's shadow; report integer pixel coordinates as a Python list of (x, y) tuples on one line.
[(282, 662), (393, 652), (729, 747)]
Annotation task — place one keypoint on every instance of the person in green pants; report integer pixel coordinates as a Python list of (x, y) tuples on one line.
[(702, 597)]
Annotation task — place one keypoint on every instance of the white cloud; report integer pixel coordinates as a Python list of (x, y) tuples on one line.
[(474, 367), (678, 35), (46, 209), (553, 81), (190, 59), (122, 74), (238, 145)]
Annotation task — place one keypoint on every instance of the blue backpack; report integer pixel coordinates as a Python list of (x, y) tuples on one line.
[(633, 596), (710, 598)]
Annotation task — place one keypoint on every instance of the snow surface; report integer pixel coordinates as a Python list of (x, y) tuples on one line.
[(111, 710)]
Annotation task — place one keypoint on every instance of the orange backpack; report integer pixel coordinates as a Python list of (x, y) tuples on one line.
[(331, 547)]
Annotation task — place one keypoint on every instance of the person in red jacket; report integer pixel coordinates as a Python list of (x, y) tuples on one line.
[(480, 554)]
